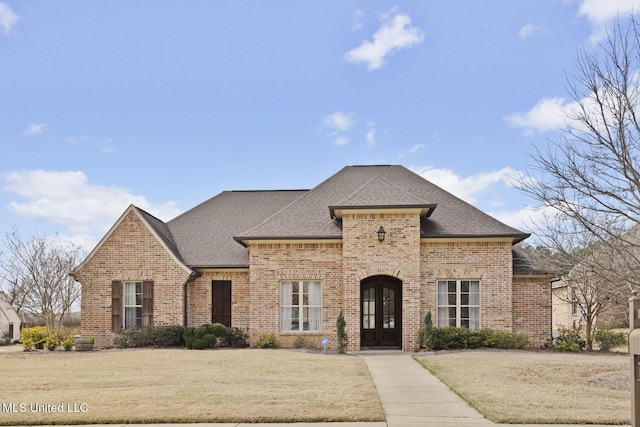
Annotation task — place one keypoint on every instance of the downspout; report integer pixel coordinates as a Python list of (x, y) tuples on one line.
[(185, 300)]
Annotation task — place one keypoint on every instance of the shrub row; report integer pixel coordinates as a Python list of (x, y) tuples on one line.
[(41, 337), (154, 336), (450, 338), (572, 340), (205, 336)]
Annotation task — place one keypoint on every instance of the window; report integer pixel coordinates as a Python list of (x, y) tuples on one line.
[(459, 303), (131, 304), (300, 306)]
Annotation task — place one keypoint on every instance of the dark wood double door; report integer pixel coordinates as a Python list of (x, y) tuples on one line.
[(381, 312), (221, 302)]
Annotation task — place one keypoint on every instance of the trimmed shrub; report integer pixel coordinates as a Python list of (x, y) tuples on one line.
[(202, 337), (450, 338), (218, 329), (154, 336), (235, 337), (267, 341), (608, 339)]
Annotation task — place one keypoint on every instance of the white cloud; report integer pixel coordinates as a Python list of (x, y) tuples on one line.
[(601, 12), (529, 30), (34, 129), (67, 198), (395, 33), (471, 187), (411, 150), (8, 18), (370, 136), (491, 188), (341, 140), (339, 121), (548, 114)]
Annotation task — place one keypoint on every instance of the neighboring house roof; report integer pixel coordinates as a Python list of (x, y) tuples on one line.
[(203, 237), (523, 264)]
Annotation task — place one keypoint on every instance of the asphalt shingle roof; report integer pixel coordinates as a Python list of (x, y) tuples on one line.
[(204, 236), (307, 216)]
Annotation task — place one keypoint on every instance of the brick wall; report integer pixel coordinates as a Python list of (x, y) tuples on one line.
[(130, 253), (272, 263), (532, 308), (199, 297), (489, 262), (397, 256)]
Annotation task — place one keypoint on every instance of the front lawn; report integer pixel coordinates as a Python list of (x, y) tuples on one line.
[(538, 387), (176, 385)]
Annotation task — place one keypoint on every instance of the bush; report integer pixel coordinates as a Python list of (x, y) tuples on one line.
[(68, 342), (608, 339), (154, 336), (342, 338), (235, 337), (450, 338), (34, 337), (569, 340), (203, 336), (267, 341), (305, 342), (425, 333), (52, 341)]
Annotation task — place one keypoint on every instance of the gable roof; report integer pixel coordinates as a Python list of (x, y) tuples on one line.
[(156, 227), (307, 216)]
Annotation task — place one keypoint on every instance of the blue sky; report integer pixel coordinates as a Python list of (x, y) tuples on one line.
[(164, 104)]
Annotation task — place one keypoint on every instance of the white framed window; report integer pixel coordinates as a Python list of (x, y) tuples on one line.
[(132, 304), (300, 305), (459, 303)]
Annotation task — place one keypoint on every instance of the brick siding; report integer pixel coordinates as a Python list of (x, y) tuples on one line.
[(520, 304)]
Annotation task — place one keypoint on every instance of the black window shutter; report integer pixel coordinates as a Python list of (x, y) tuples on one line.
[(147, 303), (116, 305)]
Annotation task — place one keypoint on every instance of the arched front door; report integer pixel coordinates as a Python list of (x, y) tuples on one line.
[(381, 312)]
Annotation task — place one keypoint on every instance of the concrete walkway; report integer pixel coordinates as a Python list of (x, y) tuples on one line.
[(411, 396)]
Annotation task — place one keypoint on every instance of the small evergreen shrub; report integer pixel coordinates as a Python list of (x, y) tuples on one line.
[(235, 337), (267, 341), (218, 329), (341, 331), (608, 339), (425, 333), (569, 340), (202, 337)]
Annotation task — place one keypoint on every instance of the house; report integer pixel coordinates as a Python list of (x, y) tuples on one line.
[(9, 320), (380, 243)]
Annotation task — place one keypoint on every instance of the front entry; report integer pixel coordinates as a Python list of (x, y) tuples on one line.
[(381, 312)]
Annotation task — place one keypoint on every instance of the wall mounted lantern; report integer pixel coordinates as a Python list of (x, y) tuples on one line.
[(381, 234)]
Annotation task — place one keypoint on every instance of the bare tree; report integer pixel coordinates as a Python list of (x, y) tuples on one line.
[(35, 274), (591, 176)]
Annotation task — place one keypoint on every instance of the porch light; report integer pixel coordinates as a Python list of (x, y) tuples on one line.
[(381, 234)]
